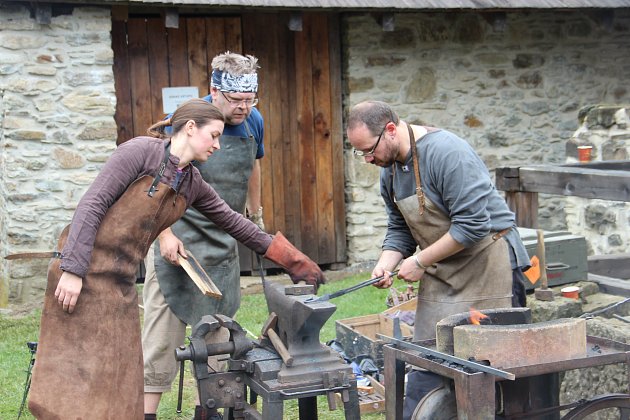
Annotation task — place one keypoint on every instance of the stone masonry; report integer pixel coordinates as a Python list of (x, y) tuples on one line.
[(57, 127), (511, 83), (605, 224)]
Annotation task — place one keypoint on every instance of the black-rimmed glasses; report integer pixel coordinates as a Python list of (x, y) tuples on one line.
[(361, 153), (236, 102)]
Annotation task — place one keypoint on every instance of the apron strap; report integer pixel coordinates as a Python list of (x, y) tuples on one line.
[(414, 155), (153, 188)]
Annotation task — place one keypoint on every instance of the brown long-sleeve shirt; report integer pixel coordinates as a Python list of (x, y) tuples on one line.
[(131, 160)]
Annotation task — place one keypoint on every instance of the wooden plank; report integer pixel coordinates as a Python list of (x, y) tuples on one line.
[(525, 208), (123, 116), (197, 55), (198, 275), (234, 34), (269, 92), (139, 75), (305, 135), (572, 180), (325, 234), (178, 55), (617, 265), (158, 65), (215, 42), (337, 136)]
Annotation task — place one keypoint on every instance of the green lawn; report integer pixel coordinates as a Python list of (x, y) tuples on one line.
[(17, 331)]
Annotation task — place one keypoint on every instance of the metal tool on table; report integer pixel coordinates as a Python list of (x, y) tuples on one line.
[(447, 357), (342, 292), (543, 292), (269, 332), (256, 369), (27, 255)]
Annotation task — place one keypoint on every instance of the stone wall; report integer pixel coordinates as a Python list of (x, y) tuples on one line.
[(511, 83), (57, 100), (605, 224)]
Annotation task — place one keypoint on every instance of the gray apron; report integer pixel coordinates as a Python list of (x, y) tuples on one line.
[(228, 171), (479, 277)]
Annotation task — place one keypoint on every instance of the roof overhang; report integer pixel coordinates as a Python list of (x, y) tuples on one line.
[(364, 5)]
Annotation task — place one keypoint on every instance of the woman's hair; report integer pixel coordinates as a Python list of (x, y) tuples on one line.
[(200, 111)]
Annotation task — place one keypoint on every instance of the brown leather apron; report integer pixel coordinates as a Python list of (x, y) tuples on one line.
[(479, 277), (89, 363)]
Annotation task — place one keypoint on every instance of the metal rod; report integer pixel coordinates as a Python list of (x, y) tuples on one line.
[(448, 357), (341, 292), (589, 315), (180, 391)]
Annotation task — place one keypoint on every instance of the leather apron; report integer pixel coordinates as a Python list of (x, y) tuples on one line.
[(228, 171), (89, 363), (479, 277)]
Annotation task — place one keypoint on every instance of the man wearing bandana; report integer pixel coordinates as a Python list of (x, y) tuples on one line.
[(171, 299)]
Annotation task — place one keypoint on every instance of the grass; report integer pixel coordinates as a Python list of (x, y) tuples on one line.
[(17, 331)]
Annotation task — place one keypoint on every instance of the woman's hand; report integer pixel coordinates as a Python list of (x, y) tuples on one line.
[(171, 247), (68, 290)]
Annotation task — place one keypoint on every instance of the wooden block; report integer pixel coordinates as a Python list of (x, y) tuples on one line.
[(198, 275)]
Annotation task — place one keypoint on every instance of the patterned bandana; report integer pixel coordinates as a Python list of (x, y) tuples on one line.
[(226, 82)]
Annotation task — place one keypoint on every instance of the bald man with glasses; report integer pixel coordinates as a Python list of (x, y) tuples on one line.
[(171, 299), (447, 226)]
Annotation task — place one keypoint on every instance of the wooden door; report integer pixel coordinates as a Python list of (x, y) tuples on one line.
[(300, 100)]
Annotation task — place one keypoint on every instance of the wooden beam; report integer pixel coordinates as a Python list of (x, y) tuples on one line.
[(610, 285), (605, 180), (120, 13), (525, 208), (616, 265)]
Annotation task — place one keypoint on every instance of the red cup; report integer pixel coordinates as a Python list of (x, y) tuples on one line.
[(571, 292), (584, 153)]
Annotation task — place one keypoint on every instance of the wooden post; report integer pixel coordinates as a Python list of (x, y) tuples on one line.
[(525, 207)]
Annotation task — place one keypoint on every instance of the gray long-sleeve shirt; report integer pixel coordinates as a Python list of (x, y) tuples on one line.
[(456, 180), (131, 160)]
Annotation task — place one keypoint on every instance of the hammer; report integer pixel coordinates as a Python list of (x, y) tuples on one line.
[(269, 332), (544, 292)]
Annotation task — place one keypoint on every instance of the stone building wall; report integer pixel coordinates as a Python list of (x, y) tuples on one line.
[(56, 129), (512, 84), (605, 224)]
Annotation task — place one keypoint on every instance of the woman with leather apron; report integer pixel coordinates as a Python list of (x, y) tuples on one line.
[(464, 263), (89, 362)]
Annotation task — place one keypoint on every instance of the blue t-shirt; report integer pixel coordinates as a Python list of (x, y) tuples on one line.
[(254, 122)]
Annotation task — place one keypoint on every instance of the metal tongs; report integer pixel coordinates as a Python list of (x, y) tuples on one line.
[(328, 296)]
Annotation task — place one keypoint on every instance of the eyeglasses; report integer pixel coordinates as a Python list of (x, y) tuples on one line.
[(361, 153), (248, 103)]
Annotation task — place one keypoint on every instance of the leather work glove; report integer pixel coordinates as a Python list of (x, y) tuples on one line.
[(299, 266), (257, 218)]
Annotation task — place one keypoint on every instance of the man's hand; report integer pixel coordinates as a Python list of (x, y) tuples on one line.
[(387, 280), (171, 247), (410, 271), (257, 218), (68, 290)]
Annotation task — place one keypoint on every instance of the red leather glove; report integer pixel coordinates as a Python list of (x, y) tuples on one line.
[(299, 266)]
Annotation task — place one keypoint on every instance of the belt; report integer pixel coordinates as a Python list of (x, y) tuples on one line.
[(500, 234)]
